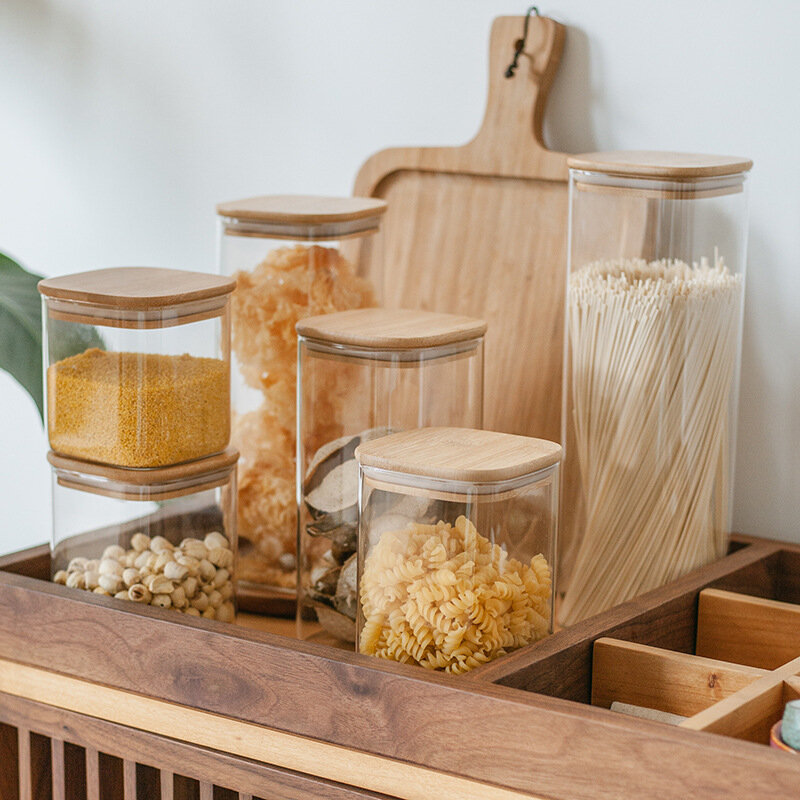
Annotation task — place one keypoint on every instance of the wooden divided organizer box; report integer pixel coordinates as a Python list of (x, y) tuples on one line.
[(106, 699)]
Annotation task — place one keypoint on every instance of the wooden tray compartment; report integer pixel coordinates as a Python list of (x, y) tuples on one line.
[(264, 715)]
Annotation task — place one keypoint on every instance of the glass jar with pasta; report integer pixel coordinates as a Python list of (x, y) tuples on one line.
[(456, 543), (292, 257)]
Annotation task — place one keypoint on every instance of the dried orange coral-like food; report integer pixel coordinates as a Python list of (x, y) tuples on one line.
[(289, 284)]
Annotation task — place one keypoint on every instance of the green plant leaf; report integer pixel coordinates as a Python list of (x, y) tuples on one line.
[(21, 328)]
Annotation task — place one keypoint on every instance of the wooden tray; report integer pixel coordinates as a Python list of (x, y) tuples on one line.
[(481, 230), (104, 698)]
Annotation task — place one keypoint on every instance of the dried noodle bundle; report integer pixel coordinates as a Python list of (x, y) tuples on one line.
[(653, 358)]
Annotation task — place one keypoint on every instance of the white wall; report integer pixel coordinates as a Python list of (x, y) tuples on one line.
[(122, 124)]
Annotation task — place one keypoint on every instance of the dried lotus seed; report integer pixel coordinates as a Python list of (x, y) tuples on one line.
[(164, 557), (110, 566), (76, 580), (91, 578), (190, 586), (139, 593), (226, 590), (92, 565), (111, 583), (220, 557), (175, 572), (122, 595), (101, 590), (200, 602), (140, 542), (215, 599), (142, 559), (161, 600), (130, 576), (191, 611), (207, 570), (220, 578), (160, 545), (114, 551), (61, 577), (215, 539), (193, 548), (225, 612), (210, 613), (77, 563), (158, 584), (178, 597)]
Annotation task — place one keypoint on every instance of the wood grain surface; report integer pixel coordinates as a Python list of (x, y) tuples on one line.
[(481, 230), (526, 743), (659, 164), (747, 630), (561, 665), (677, 683), (391, 329), (459, 454), (293, 209)]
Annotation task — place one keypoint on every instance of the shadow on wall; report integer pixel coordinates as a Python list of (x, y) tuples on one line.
[(568, 125)]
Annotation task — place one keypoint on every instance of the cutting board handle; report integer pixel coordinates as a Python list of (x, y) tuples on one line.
[(515, 108), (509, 143)]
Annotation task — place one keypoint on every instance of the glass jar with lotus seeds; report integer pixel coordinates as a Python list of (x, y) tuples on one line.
[(162, 537)]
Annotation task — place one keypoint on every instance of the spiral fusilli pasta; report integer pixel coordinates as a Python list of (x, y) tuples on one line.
[(447, 598)]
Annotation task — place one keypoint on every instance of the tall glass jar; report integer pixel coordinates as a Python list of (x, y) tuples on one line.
[(137, 365), (363, 374), (164, 537), (456, 545), (292, 257), (657, 252)]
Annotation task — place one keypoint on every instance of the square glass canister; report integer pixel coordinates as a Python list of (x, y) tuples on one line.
[(457, 538), (291, 257), (137, 365), (363, 374), (164, 537), (657, 252)]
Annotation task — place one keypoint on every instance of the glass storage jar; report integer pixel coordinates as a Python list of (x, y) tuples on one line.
[(292, 257), (137, 365), (365, 373), (456, 545), (657, 248), (163, 536)]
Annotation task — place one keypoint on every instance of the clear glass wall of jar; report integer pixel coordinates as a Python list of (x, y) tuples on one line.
[(657, 250), (363, 374), (163, 537), (457, 538), (292, 257)]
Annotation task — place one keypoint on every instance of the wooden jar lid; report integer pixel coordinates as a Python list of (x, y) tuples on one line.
[(158, 483), (656, 164), (391, 329), (459, 454), (291, 209), (137, 288)]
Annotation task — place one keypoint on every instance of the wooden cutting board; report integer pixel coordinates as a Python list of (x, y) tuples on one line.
[(481, 230)]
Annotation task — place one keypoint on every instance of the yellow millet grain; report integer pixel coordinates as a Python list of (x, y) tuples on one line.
[(138, 409)]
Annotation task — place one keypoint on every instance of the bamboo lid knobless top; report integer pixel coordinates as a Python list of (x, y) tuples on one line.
[(137, 288), (459, 454), (391, 329), (302, 209), (655, 164)]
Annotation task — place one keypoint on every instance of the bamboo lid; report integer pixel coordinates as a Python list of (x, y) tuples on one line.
[(193, 471), (656, 164), (137, 288), (459, 454), (391, 329), (290, 209)]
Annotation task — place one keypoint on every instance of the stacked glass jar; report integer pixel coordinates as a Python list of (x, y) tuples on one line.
[(137, 375), (362, 375), (292, 257)]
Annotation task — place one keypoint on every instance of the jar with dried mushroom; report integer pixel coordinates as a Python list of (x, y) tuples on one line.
[(363, 374), (456, 545), (165, 537), (291, 257), (137, 365)]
